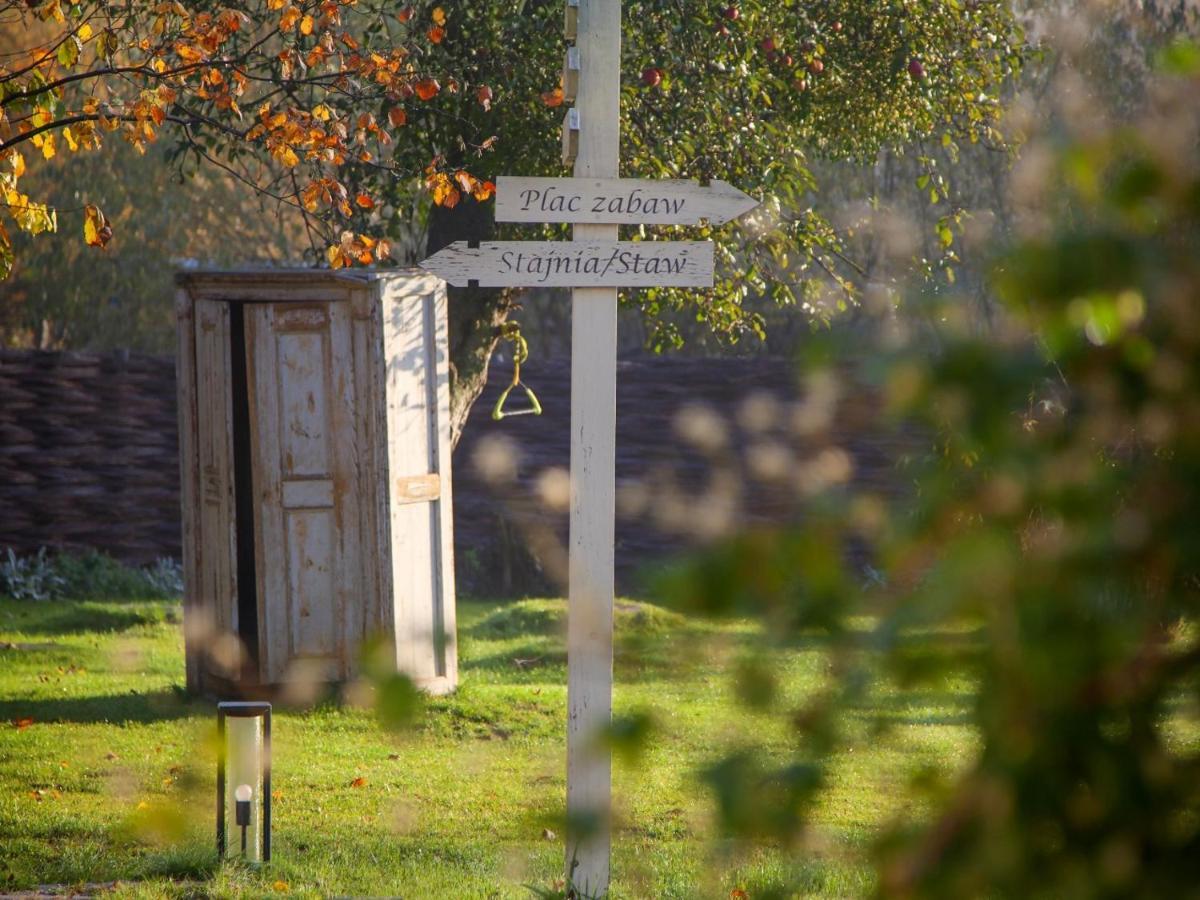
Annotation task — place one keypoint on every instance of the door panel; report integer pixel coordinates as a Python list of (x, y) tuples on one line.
[(304, 465), (216, 565)]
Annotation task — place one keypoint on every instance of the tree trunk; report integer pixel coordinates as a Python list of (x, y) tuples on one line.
[(475, 314)]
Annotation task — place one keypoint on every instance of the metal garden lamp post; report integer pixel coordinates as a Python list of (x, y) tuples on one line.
[(244, 778)]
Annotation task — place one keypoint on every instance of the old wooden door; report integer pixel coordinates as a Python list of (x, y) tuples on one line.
[(211, 610), (305, 460)]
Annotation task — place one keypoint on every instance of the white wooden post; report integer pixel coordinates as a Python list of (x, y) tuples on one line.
[(593, 470)]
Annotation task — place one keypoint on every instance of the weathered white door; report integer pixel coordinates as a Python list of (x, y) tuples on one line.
[(305, 462)]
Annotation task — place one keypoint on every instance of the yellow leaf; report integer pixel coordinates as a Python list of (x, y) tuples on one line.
[(288, 20), (96, 230), (334, 254), (48, 146), (85, 31), (321, 112), (281, 887), (306, 25), (438, 15), (18, 164)]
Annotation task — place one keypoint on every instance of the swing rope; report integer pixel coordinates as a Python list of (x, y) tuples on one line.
[(511, 331)]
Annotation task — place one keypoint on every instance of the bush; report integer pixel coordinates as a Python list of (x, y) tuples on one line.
[(31, 578), (88, 576), (1049, 561)]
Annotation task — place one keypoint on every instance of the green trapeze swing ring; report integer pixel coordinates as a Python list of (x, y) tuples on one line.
[(535, 408)]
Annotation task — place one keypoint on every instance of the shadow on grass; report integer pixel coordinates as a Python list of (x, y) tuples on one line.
[(926, 707), (71, 617), (116, 709)]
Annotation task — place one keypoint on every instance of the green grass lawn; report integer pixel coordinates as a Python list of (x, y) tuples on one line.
[(114, 779)]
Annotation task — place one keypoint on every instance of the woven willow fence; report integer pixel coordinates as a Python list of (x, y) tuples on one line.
[(89, 460)]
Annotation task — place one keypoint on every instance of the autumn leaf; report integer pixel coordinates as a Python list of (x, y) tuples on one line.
[(427, 88), (288, 20), (364, 201), (96, 230), (25, 721), (436, 34), (438, 15), (281, 887), (306, 25), (483, 190), (405, 13), (397, 116), (442, 190), (738, 894), (358, 782), (466, 181), (553, 98)]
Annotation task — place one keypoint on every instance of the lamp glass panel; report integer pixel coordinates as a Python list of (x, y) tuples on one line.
[(244, 765)]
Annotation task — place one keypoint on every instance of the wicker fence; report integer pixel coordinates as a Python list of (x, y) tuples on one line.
[(89, 459)]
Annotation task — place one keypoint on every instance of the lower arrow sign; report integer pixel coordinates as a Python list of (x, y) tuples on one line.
[(575, 264)]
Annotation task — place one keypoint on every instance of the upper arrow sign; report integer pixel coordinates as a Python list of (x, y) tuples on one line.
[(576, 264), (617, 201)]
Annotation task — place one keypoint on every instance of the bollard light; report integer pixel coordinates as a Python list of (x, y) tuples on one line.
[(244, 778)]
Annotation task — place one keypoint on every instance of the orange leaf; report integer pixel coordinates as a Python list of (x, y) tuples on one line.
[(358, 782), (436, 33), (405, 14), (288, 20), (397, 116), (306, 25), (427, 88), (281, 887), (364, 201), (553, 98), (465, 180), (438, 15), (22, 723), (483, 190)]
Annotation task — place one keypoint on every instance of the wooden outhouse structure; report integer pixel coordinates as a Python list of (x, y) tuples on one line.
[(315, 447)]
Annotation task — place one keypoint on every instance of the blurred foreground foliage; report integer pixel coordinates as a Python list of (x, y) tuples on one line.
[(1050, 559)]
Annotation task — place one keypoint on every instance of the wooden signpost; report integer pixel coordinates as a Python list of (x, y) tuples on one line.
[(618, 201), (563, 264), (595, 263)]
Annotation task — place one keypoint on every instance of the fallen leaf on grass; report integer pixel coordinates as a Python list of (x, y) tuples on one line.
[(111, 756), (281, 887), (360, 781), (276, 795), (22, 723)]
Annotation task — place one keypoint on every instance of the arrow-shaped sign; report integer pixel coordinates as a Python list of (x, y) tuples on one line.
[(618, 201), (575, 264)]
